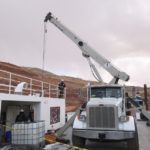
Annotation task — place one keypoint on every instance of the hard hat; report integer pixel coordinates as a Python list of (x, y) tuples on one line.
[(21, 110)]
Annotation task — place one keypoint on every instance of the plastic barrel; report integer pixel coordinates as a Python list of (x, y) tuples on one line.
[(8, 137)]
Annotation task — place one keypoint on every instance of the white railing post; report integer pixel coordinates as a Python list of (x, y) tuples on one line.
[(42, 89), (30, 86), (10, 83), (57, 92), (65, 93)]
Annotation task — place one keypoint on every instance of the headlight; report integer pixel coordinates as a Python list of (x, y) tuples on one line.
[(82, 118), (124, 118)]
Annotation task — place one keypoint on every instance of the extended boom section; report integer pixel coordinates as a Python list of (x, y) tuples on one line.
[(89, 51)]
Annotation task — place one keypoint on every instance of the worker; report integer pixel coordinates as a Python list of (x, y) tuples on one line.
[(21, 117), (66, 117), (31, 116), (83, 107), (130, 102), (61, 87)]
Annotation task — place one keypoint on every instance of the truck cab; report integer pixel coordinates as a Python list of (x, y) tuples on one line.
[(104, 118), (106, 100)]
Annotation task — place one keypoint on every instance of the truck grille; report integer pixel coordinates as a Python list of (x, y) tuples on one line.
[(102, 117)]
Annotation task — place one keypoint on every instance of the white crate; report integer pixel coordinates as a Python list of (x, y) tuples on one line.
[(28, 133)]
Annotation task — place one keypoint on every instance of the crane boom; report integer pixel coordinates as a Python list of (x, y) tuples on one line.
[(89, 51)]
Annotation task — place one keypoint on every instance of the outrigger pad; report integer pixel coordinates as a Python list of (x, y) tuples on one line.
[(148, 123)]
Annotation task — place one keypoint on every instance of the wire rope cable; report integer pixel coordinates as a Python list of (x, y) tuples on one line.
[(44, 50)]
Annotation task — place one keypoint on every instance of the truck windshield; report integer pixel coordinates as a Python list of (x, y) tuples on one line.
[(106, 92)]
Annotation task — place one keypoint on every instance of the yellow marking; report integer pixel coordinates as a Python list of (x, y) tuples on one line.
[(53, 141)]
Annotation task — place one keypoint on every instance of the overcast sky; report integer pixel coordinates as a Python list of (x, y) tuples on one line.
[(118, 29)]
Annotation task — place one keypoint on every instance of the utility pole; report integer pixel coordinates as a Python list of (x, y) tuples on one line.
[(145, 96)]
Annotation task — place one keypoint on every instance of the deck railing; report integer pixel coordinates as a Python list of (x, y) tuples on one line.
[(9, 82)]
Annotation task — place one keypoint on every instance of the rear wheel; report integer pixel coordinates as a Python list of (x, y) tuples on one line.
[(78, 141), (133, 144)]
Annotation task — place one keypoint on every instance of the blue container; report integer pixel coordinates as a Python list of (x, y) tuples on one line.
[(0, 136), (8, 137)]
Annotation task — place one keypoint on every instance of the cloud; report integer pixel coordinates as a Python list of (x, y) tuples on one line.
[(118, 30)]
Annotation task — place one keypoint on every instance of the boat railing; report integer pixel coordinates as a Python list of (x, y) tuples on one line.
[(10, 82)]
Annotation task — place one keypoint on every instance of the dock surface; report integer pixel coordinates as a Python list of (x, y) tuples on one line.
[(143, 133)]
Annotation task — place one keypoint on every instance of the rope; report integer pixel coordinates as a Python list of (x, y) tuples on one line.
[(44, 49)]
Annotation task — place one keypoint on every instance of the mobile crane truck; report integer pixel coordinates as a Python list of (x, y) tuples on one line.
[(104, 117)]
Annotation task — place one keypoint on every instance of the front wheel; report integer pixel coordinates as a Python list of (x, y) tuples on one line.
[(133, 144), (78, 141)]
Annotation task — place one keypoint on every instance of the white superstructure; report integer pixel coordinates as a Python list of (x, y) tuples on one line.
[(20, 92)]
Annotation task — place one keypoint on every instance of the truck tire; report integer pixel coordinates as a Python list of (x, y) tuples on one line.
[(78, 141), (133, 144), (143, 117)]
